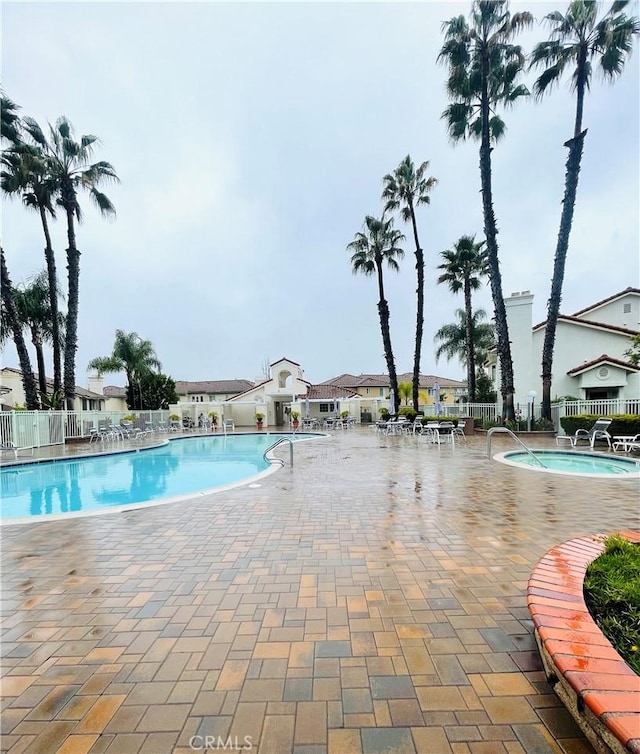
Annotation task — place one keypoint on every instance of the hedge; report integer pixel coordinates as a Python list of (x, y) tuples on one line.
[(622, 424)]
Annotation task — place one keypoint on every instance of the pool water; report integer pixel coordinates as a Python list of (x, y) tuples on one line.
[(183, 467), (571, 462)]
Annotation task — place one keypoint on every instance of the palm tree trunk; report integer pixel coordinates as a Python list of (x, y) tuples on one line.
[(471, 363), (36, 339), (53, 297), (28, 380), (572, 173), (419, 313), (383, 311), (491, 233), (71, 340)]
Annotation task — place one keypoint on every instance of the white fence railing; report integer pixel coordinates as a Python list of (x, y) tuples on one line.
[(484, 411), (602, 407), (35, 429)]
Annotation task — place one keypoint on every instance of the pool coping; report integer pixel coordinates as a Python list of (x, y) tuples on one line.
[(599, 689)]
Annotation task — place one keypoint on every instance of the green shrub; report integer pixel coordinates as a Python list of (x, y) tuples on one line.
[(492, 423), (384, 414), (622, 424), (543, 425), (409, 412), (612, 594), (477, 422)]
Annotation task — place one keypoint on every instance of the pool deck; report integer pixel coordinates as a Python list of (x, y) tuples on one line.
[(371, 599)]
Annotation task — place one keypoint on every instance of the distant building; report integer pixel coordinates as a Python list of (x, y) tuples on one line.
[(13, 392), (378, 385), (588, 360)]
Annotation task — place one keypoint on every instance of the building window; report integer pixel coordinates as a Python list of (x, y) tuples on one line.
[(382, 392), (324, 408), (84, 404), (627, 309)]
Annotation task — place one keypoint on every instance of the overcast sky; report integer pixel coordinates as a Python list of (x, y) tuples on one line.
[(251, 140)]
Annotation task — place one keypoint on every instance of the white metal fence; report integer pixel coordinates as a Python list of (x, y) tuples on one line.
[(35, 429)]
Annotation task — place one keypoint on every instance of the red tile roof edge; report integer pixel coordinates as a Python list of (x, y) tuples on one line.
[(588, 662)]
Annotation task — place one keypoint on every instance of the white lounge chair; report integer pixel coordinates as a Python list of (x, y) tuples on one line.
[(597, 432), (11, 447)]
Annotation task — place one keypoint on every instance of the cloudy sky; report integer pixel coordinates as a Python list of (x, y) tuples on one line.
[(251, 140)]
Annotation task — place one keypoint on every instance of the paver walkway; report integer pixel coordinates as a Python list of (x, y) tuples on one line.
[(372, 599)]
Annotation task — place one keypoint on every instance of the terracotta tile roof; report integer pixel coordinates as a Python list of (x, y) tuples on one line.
[(212, 387), (382, 380), (588, 323), (607, 300), (604, 359), (329, 392)]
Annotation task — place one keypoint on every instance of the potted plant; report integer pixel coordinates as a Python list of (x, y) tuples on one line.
[(214, 421), (295, 416), (344, 414), (259, 420)]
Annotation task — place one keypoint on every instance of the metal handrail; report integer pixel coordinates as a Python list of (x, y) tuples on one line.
[(493, 430), (275, 445)]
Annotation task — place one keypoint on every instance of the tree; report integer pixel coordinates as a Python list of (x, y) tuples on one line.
[(25, 172), (15, 328), (463, 267), (33, 307), (405, 391), (483, 72), (371, 250), (70, 170), (452, 338), (406, 189), (9, 120), (154, 391), (633, 352), (133, 356), (484, 388), (578, 41)]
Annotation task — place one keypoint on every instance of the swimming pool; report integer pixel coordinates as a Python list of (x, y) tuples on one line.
[(574, 462), (181, 468)]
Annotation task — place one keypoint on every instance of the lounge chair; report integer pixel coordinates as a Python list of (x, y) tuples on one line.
[(626, 444), (597, 432), (11, 447), (229, 425)]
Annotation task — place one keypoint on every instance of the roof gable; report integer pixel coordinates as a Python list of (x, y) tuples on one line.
[(608, 300), (603, 360), (588, 323)]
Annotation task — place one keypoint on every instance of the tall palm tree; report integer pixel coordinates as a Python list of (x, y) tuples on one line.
[(371, 249), (25, 172), (578, 41), (132, 355), (406, 189), (70, 170), (33, 307), (9, 120), (452, 338), (463, 268), (14, 326), (484, 67)]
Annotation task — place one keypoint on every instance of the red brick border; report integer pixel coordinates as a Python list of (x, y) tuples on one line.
[(593, 681)]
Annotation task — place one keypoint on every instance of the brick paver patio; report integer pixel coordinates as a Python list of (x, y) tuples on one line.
[(370, 600)]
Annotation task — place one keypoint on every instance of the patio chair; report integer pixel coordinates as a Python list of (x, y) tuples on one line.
[(458, 431), (229, 425), (597, 432)]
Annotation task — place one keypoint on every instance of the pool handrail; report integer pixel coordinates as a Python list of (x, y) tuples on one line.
[(493, 430), (275, 445)]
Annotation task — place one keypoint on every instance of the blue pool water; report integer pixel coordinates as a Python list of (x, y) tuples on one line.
[(576, 463), (183, 467)]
